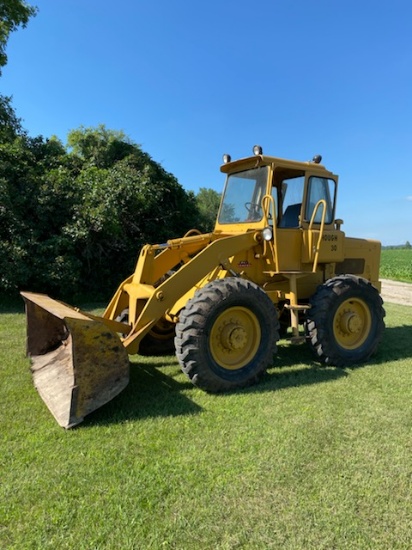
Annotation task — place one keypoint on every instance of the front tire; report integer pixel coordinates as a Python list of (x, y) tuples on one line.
[(345, 323), (226, 335)]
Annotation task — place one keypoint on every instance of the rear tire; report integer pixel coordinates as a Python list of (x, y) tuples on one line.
[(345, 322), (158, 341), (226, 335)]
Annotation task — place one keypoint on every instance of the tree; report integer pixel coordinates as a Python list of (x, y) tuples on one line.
[(10, 125), (73, 221), (100, 146), (13, 14), (208, 202), (127, 200), (30, 211)]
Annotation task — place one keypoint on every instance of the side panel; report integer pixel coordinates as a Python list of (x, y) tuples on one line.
[(362, 257), (331, 246), (289, 246), (254, 263)]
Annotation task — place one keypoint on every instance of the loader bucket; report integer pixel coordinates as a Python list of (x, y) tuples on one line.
[(78, 364)]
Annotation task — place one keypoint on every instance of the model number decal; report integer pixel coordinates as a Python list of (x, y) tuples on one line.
[(330, 237), (244, 263)]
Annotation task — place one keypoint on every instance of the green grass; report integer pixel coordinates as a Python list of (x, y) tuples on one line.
[(312, 458), (396, 264)]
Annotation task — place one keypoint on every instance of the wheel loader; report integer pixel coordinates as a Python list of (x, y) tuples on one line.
[(276, 264)]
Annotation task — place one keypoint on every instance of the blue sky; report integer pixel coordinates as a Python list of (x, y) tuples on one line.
[(189, 81)]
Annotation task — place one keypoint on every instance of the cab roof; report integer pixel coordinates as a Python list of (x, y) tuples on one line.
[(276, 162)]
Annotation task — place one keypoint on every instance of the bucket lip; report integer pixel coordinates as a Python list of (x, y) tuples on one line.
[(58, 309)]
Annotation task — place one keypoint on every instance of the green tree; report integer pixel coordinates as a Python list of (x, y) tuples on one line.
[(127, 200), (10, 124), (100, 146), (73, 221), (208, 202), (13, 14), (30, 211)]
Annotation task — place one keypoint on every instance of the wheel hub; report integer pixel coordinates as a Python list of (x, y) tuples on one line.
[(350, 323), (233, 336)]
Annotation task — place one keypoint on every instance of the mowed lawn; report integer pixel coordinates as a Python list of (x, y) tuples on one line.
[(311, 458)]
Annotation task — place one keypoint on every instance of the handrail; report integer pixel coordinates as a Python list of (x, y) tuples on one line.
[(192, 232), (322, 203)]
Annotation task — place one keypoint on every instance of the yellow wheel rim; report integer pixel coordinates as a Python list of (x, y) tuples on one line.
[(163, 330), (352, 323), (235, 338)]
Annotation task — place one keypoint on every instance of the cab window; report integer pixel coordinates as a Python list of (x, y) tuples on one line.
[(320, 189), (291, 200)]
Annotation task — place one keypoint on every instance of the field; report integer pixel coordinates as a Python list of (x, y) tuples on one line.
[(396, 264), (312, 458)]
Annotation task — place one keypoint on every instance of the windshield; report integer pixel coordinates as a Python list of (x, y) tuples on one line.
[(242, 201)]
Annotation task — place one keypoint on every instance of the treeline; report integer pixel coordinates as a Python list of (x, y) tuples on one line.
[(74, 217), (406, 246)]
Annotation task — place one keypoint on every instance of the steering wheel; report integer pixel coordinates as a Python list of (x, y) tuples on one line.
[(253, 209)]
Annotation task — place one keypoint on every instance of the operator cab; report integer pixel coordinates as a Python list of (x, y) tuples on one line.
[(294, 194)]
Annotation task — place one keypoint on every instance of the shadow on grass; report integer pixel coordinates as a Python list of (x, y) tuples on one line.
[(151, 393), (396, 344), (294, 366)]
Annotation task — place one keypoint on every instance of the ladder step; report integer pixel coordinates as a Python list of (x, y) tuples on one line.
[(297, 340), (299, 307)]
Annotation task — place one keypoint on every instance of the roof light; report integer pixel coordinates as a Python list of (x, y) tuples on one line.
[(226, 158), (257, 150), (317, 159)]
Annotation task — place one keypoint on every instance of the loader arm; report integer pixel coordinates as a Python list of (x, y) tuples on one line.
[(164, 296), (154, 263)]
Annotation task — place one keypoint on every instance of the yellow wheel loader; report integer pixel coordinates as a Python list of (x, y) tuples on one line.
[(276, 262)]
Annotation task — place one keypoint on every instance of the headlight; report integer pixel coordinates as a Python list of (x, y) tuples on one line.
[(257, 150), (226, 158), (267, 234)]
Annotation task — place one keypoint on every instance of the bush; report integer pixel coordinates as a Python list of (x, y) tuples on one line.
[(72, 220)]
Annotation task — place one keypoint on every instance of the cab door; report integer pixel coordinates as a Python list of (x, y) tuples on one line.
[(322, 241), (290, 191)]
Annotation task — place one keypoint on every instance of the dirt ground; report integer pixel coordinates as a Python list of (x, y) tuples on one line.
[(397, 293)]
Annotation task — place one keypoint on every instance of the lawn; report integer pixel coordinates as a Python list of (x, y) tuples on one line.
[(312, 458)]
